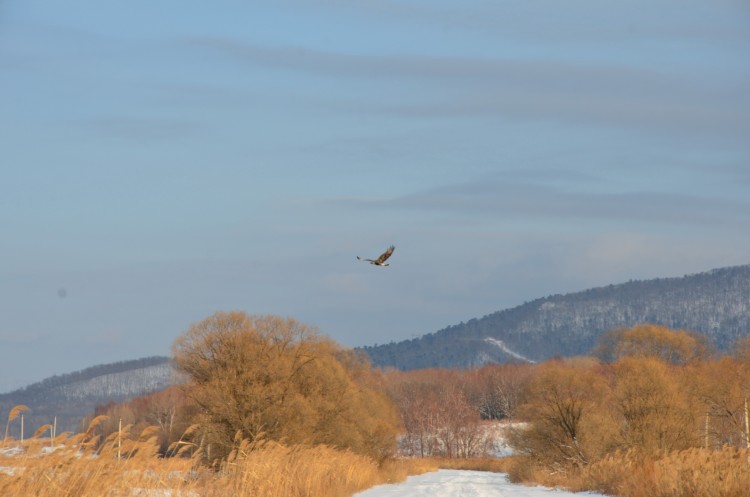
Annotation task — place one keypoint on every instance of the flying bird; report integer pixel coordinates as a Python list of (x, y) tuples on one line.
[(380, 261)]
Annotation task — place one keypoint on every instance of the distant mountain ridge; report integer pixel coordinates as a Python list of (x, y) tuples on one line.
[(715, 303), (71, 397)]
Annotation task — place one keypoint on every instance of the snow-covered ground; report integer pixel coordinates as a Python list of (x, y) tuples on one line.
[(11, 451), (498, 431), (459, 483)]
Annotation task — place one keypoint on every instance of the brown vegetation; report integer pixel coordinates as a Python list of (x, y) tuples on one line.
[(270, 378), (491, 464), (13, 414), (83, 466), (687, 473), (276, 409), (672, 346), (566, 429), (444, 412), (661, 420), (168, 413)]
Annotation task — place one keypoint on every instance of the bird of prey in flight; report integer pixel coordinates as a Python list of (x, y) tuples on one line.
[(380, 261)]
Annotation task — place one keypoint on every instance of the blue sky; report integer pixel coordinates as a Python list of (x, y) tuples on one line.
[(164, 160)]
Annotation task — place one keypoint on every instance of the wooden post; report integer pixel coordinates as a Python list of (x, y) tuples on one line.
[(119, 439), (54, 433), (706, 430), (21, 428)]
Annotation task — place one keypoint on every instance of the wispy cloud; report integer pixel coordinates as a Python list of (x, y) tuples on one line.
[(513, 88), (526, 200), (544, 20)]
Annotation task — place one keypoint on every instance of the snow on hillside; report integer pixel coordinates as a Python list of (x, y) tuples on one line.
[(715, 304), (123, 384), (70, 398), (501, 345)]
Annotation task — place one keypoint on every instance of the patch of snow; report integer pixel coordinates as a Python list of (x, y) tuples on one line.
[(501, 448), (161, 492), (501, 345), (122, 384), (454, 483), (11, 451), (498, 431), (50, 450), (8, 470)]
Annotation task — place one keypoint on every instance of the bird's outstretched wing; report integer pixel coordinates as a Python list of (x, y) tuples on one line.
[(380, 261), (385, 255)]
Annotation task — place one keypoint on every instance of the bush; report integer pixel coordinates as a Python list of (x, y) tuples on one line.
[(270, 378)]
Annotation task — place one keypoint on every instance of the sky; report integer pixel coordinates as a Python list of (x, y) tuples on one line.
[(161, 161)]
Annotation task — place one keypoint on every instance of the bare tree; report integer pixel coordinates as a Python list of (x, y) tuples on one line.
[(496, 391), (438, 418)]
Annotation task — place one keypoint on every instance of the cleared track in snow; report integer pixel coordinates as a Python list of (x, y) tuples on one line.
[(460, 483)]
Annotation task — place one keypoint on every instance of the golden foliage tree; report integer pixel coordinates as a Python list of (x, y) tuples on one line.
[(720, 388), (673, 346), (568, 426), (742, 350), (653, 406), (267, 377)]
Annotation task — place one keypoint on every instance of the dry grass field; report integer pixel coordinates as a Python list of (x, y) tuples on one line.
[(81, 466), (640, 426), (78, 466), (692, 472)]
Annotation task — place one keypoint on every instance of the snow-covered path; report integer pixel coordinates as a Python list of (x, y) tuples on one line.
[(459, 483)]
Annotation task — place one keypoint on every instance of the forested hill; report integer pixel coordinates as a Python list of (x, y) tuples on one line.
[(72, 396), (715, 303)]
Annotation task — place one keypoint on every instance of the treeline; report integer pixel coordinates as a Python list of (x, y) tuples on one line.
[(253, 379), (299, 387), (660, 391), (439, 412), (654, 398), (649, 401), (647, 388), (445, 413), (652, 412)]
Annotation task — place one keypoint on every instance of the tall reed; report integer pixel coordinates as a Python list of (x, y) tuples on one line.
[(696, 472), (84, 466), (13, 414), (689, 473), (274, 470)]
